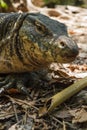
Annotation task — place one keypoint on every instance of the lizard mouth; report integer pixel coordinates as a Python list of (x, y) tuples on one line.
[(65, 57), (70, 57), (72, 54)]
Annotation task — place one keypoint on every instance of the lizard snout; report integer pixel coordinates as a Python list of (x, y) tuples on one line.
[(66, 49)]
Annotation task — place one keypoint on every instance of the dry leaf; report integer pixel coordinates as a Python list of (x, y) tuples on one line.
[(80, 115)]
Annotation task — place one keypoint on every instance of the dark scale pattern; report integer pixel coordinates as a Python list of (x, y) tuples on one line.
[(6, 24), (55, 26), (11, 24)]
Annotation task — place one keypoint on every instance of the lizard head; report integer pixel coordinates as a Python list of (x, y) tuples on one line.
[(46, 40)]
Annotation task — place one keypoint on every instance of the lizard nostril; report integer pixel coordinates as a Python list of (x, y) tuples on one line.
[(62, 44)]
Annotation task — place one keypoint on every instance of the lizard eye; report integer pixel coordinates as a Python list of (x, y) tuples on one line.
[(40, 28)]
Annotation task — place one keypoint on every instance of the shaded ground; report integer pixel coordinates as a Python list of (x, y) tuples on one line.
[(18, 112)]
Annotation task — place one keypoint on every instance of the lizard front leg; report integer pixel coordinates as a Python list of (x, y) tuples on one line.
[(21, 81), (18, 81)]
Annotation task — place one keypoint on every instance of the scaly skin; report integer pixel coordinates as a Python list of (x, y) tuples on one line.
[(29, 42)]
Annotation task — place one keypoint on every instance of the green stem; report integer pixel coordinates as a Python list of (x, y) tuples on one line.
[(65, 94)]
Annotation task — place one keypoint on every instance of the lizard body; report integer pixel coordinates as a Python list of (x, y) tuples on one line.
[(29, 42)]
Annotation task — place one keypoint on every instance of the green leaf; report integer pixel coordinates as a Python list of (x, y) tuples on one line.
[(3, 4)]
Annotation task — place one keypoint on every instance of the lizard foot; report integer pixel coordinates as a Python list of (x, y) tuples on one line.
[(22, 81), (13, 81)]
